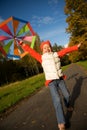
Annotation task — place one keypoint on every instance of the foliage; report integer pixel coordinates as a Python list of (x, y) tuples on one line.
[(56, 48), (76, 12)]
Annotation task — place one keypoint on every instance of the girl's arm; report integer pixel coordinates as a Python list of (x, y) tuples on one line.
[(32, 52), (68, 50)]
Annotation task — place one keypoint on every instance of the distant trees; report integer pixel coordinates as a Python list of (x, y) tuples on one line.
[(76, 12)]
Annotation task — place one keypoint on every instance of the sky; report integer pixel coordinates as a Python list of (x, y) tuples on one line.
[(46, 17)]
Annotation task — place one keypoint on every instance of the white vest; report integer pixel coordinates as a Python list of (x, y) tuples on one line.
[(51, 66)]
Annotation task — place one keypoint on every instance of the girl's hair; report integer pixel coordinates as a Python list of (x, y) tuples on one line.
[(43, 43)]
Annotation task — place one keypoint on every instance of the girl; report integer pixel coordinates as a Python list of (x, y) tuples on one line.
[(54, 76)]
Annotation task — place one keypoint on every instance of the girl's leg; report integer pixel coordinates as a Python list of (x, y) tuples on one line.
[(57, 102), (65, 92)]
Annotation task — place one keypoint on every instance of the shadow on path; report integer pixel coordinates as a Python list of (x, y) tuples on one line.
[(75, 94)]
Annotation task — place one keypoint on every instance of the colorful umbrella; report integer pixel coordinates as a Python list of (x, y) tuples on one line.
[(12, 31)]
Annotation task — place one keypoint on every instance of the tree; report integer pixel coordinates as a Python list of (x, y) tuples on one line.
[(56, 47), (77, 17), (76, 12)]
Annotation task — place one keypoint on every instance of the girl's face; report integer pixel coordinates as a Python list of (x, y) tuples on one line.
[(46, 48)]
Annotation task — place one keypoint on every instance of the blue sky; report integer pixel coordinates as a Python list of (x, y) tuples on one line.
[(46, 17)]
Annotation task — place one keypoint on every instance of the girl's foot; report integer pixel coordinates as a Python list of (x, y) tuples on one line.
[(61, 126)]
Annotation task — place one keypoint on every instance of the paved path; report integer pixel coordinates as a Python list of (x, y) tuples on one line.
[(37, 112)]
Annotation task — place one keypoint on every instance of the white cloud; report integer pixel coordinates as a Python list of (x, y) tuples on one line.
[(52, 2), (47, 20), (42, 20)]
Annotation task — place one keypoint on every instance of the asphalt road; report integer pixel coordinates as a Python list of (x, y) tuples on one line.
[(37, 112)]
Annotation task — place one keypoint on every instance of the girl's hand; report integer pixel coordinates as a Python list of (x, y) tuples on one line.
[(79, 44)]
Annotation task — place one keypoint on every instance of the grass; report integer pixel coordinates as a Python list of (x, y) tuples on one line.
[(83, 64), (14, 92), (65, 67)]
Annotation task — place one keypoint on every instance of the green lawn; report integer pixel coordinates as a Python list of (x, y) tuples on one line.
[(83, 64), (14, 92)]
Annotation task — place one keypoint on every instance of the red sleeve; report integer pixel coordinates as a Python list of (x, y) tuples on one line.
[(67, 50), (32, 52)]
